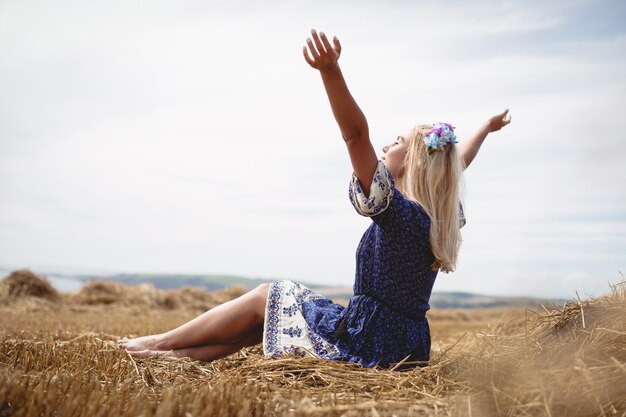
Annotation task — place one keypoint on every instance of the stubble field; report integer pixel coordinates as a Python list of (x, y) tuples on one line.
[(58, 357)]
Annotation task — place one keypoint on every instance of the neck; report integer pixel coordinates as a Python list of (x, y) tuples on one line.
[(399, 184)]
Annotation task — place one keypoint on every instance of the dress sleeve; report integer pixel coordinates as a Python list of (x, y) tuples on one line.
[(462, 219), (380, 192)]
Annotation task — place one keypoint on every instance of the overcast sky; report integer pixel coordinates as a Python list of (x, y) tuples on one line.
[(191, 137)]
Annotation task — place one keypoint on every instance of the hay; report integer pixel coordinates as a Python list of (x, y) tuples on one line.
[(189, 298), (229, 293), (109, 293), (24, 283), (23, 286), (197, 299), (148, 296), (568, 361), (87, 368)]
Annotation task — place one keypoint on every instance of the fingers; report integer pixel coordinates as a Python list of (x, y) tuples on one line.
[(327, 46), (318, 42), (318, 52), (498, 121), (505, 120), (312, 49), (337, 45), (307, 58)]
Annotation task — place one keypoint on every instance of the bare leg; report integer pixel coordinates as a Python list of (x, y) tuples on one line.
[(225, 324), (206, 352)]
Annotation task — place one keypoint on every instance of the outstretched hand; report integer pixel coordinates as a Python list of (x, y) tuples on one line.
[(319, 53), (470, 147), (498, 121)]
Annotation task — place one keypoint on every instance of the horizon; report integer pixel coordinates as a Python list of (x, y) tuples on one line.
[(169, 137), (76, 276)]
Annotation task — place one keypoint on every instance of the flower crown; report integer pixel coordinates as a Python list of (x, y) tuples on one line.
[(439, 136)]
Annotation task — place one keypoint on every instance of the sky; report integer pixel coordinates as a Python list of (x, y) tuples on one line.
[(192, 137)]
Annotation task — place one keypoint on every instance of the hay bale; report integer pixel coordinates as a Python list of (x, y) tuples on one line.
[(190, 298), (197, 299), (98, 293), (569, 361), (229, 293), (108, 293), (144, 294), (147, 295), (25, 283)]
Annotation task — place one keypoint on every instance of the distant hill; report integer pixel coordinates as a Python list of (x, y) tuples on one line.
[(455, 299), (469, 300)]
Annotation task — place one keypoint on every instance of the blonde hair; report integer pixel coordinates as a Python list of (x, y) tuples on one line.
[(434, 181)]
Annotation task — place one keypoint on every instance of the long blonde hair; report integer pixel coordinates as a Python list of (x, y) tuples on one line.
[(434, 181)]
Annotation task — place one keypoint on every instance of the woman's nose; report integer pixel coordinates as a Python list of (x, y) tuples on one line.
[(385, 149)]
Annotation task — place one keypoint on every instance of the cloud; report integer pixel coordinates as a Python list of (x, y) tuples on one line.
[(196, 139)]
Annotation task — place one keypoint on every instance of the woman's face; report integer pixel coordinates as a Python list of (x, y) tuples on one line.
[(394, 153)]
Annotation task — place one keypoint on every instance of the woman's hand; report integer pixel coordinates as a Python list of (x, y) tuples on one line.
[(320, 54), (498, 121), (470, 147)]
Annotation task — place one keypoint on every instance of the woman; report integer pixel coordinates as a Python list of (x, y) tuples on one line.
[(412, 197)]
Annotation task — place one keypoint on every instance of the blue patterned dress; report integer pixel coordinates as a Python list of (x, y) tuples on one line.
[(385, 321)]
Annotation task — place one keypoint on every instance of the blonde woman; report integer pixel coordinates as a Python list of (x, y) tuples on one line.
[(412, 196)]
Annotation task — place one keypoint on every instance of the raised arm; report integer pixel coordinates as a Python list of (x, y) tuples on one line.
[(323, 56), (470, 147)]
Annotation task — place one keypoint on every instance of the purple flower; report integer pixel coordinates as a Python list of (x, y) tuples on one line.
[(440, 135)]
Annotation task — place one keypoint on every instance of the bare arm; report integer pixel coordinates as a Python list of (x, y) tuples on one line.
[(351, 120), (470, 147)]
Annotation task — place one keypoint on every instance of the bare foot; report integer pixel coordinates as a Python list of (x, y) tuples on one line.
[(155, 354), (152, 342)]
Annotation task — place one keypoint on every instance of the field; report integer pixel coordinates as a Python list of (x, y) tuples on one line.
[(58, 357)]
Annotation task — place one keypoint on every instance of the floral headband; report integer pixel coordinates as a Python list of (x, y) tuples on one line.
[(439, 136)]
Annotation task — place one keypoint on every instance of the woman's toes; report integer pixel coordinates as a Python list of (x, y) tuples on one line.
[(146, 354), (138, 353), (141, 343)]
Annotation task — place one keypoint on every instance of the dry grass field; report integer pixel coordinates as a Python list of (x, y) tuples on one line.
[(58, 357)]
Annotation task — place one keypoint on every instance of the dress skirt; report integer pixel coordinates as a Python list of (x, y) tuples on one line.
[(285, 329)]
